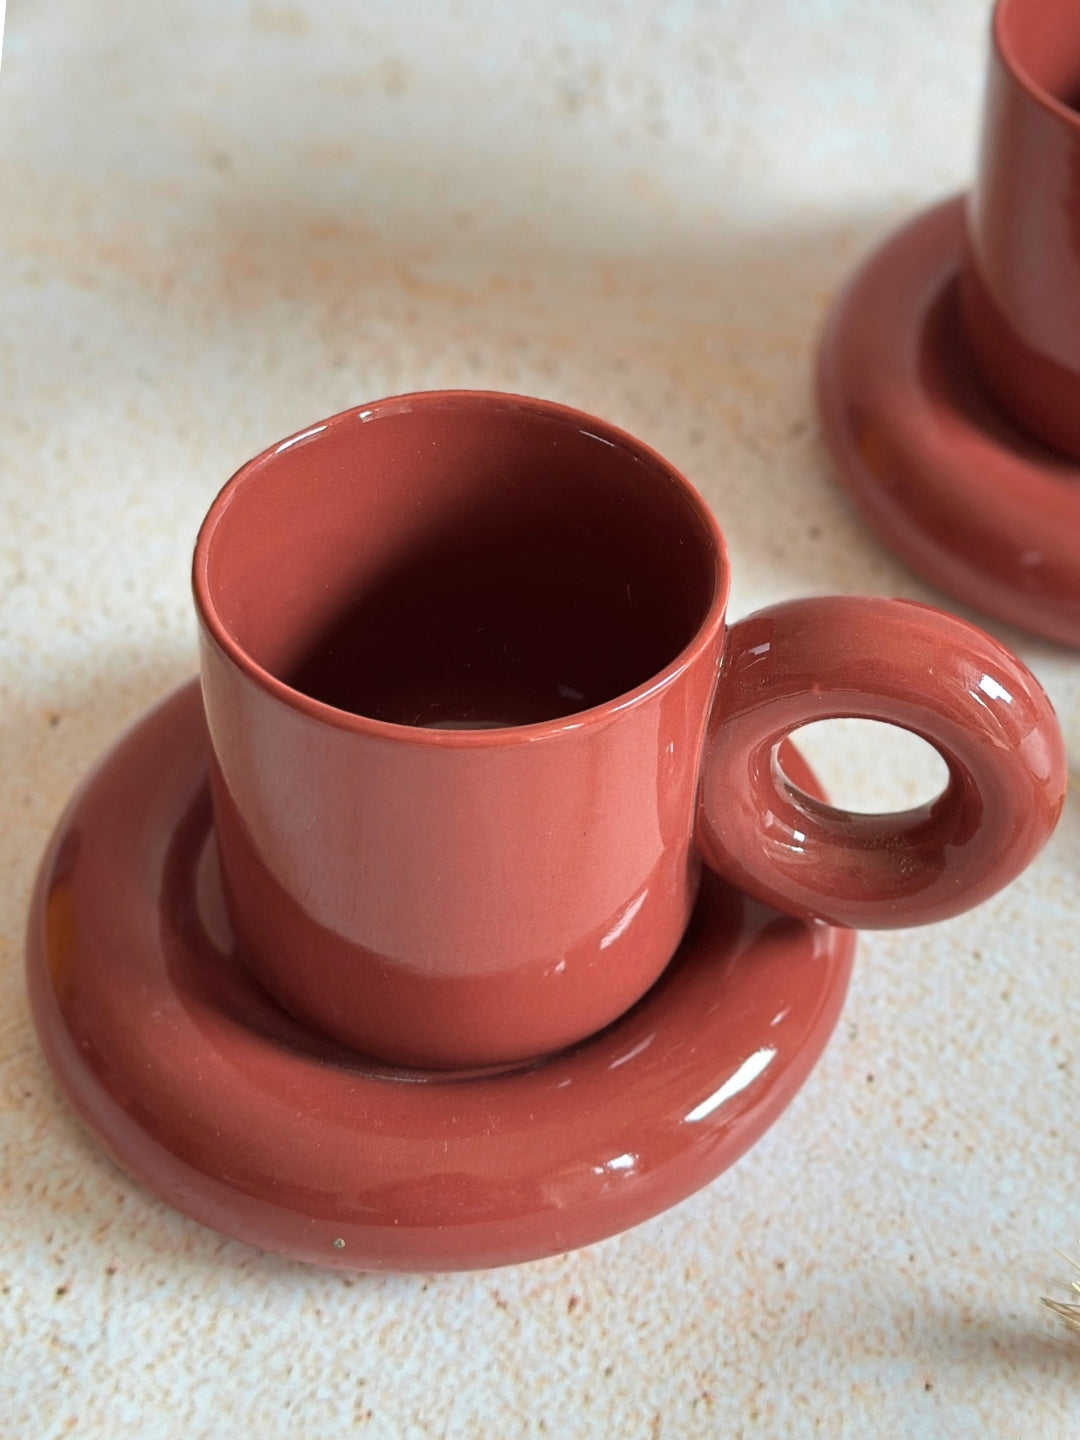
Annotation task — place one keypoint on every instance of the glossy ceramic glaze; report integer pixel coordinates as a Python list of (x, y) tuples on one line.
[(952, 360), (479, 896), (911, 666), (459, 896), (937, 470), (1021, 277), (206, 1092)]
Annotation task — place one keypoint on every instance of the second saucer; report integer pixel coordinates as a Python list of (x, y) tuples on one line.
[(949, 371)]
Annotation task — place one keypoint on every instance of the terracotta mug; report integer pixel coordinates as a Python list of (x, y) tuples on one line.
[(475, 716), (1020, 282)]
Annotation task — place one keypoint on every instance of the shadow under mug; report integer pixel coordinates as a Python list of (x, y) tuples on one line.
[(1020, 280), (475, 715)]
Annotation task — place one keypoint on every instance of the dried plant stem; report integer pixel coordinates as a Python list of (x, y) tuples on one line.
[(1067, 1311)]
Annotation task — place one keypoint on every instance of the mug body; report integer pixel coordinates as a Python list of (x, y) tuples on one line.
[(458, 652), (1020, 281)]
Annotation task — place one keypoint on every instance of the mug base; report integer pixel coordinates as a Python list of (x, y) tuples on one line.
[(207, 1093), (937, 471)]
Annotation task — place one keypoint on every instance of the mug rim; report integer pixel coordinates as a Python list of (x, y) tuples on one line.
[(1013, 66), (356, 723)]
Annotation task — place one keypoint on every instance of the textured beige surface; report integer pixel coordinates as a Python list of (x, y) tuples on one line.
[(221, 221)]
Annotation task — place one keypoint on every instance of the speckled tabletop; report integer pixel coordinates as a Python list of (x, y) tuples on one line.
[(219, 222)]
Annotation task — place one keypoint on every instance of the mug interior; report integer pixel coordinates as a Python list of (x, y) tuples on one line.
[(459, 561), (1040, 42)]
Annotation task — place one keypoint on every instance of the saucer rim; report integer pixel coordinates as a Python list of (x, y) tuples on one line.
[(111, 1093), (911, 487)]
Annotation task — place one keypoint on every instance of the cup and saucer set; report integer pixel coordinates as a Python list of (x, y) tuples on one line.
[(474, 905)]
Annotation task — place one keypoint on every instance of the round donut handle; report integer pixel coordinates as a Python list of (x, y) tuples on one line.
[(908, 665)]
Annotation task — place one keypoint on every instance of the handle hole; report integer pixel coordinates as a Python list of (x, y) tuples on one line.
[(869, 767)]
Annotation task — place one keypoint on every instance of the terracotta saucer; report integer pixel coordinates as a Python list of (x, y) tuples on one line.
[(203, 1090), (966, 499)]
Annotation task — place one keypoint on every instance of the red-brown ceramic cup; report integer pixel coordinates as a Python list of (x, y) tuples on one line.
[(475, 715), (1020, 283)]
